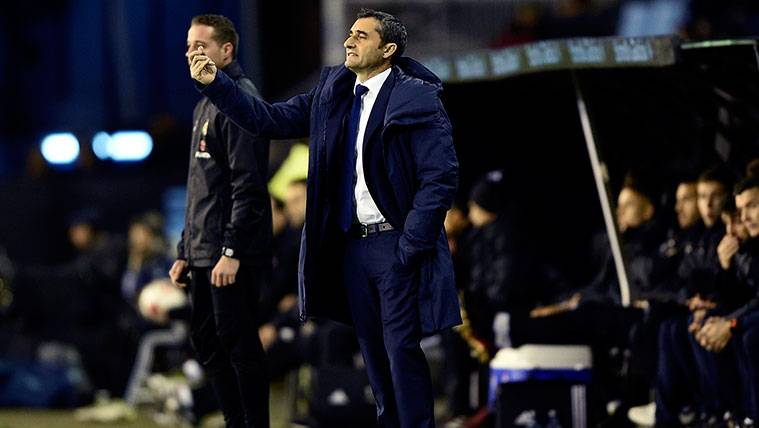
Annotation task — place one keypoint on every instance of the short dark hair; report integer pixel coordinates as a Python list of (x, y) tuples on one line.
[(391, 29), (223, 30), (752, 168), (729, 207), (642, 184), (750, 182), (720, 174)]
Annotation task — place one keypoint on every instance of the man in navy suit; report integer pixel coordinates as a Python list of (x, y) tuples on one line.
[(382, 174)]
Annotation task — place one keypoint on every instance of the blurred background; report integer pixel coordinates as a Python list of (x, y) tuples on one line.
[(95, 132)]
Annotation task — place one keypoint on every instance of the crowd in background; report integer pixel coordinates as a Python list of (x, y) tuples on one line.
[(686, 343)]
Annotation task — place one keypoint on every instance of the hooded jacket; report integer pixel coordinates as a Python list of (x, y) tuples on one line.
[(410, 168)]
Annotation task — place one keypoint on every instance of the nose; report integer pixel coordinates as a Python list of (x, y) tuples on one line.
[(348, 43)]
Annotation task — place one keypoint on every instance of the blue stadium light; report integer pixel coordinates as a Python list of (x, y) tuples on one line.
[(130, 146), (100, 143), (61, 148)]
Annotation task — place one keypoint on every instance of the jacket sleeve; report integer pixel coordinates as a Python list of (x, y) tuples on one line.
[(180, 247), (750, 281), (436, 181), (248, 204), (284, 120)]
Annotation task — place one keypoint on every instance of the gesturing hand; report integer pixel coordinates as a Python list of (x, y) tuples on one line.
[(726, 249), (225, 271), (202, 68), (177, 273)]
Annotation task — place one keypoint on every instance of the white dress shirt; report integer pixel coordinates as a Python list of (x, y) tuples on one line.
[(366, 210)]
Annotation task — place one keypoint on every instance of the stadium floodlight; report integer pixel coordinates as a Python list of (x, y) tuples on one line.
[(60, 148), (100, 143), (129, 146)]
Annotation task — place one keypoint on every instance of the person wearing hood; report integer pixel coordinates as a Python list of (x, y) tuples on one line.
[(382, 174)]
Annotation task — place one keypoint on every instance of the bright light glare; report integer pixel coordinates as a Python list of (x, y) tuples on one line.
[(60, 148), (128, 146), (100, 142)]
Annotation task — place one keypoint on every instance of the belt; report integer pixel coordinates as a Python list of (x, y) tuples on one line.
[(364, 230)]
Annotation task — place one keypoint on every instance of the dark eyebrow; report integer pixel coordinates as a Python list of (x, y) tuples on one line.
[(358, 32)]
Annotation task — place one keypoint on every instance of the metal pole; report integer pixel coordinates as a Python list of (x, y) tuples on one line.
[(334, 26), (603, 194)]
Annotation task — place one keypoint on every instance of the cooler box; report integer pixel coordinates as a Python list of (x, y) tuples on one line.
[(540, 384)]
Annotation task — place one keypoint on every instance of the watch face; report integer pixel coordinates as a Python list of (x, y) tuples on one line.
[(229, 252)]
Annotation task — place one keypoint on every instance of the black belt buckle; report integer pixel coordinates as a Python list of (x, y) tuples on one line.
[(364, 230)]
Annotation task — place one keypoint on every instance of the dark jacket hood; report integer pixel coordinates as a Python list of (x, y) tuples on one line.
[(415, 96)]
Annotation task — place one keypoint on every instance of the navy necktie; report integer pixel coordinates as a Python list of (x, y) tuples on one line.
[(349, 166)]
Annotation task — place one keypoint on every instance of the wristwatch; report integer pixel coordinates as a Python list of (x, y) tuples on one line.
[(226, 251)]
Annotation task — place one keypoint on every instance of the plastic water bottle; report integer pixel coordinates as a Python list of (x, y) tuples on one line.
[(501, 328)]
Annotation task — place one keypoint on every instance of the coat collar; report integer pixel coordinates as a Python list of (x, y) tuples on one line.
[(233, 70), (413, 98)]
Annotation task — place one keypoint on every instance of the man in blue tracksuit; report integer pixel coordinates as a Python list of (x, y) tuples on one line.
[(382, 174)]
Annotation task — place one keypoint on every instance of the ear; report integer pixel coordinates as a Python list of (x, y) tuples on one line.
[(648, 213), (388, 50), (228, 49)]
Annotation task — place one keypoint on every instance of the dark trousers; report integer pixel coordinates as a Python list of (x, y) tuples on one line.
[(746, 344), (677, 384), (719, 378), (384, 306), (224, 334)]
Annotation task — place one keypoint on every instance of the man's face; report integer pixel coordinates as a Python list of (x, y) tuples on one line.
[(633, 209), (455, 221), (747, 203), (202, 36), (364, 50), (711, 198), (81, 236), (140, 238), (295, 203), (479, 216), (686, 205)]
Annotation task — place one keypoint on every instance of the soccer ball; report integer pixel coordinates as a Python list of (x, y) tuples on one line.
[(158, 298)]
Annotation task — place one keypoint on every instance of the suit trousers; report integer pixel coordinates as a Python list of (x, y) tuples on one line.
[(224, 334), (382, 295)]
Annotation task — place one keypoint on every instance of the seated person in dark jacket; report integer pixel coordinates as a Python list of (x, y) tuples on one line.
[(699, 268), (496, 261), (678, 386), (682, 238), (735, 320), (88, 284), (641, 238)]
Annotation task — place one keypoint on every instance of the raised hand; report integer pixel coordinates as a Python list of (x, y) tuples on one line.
[(726, 249), (202, 68)]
